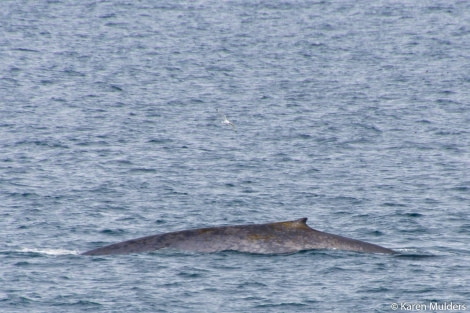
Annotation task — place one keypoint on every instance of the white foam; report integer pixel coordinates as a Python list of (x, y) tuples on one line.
[(51, 251), (225, 121)]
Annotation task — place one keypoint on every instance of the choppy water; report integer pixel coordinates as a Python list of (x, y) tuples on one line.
[(354, 114)]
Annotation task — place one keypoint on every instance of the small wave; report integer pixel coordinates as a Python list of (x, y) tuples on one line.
[(408, 253)]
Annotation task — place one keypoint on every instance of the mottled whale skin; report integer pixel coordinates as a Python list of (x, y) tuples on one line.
[(272, 238)]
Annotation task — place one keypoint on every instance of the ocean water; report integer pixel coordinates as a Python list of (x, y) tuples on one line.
[(355, 114)]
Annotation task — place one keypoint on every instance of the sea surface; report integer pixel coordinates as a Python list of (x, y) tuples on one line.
[(355, 114)]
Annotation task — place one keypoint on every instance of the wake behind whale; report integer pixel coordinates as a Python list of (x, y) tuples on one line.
[(271, 238)]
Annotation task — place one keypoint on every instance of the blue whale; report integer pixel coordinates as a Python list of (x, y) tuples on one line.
[(271, 238)]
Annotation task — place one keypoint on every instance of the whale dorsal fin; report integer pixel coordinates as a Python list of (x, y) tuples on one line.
[(302, 220)]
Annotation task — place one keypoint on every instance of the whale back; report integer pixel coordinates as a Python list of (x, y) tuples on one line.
[(271, 238)]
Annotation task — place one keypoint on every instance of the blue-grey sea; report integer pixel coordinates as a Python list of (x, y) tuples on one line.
[(355, 114)]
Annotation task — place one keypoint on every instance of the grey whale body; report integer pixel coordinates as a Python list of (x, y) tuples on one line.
[(271, 238)]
